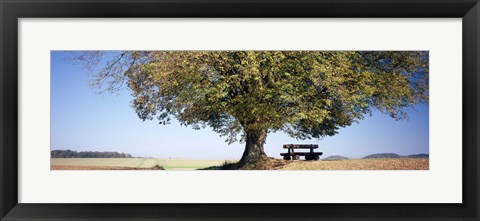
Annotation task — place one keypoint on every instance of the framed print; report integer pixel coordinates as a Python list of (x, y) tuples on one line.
[(311, 110)]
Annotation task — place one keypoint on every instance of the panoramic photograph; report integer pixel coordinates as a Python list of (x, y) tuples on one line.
[(239, 110)]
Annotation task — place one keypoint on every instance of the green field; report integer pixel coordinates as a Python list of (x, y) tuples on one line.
[(129, 163)]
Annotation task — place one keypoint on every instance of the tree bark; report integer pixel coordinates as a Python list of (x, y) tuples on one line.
[(254, 147)]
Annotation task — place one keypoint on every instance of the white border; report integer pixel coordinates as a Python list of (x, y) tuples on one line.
[(441, 184)]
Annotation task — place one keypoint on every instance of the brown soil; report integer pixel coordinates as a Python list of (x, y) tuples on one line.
[(362, 164), (353, 164)]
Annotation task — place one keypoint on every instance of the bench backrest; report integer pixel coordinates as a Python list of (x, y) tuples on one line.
[(300, 146)]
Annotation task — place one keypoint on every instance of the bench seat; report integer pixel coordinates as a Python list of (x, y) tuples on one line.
[(296, 155), (301, 154)]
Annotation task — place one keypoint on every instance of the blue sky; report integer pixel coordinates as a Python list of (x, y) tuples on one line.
[(83, 120)]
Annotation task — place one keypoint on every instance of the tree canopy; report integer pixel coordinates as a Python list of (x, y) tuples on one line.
[(307, 94)]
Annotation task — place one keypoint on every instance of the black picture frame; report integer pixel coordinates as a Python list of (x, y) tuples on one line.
[(12, 10)]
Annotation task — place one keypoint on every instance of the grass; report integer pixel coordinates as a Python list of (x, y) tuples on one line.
[(129, 164), (73, 167), (267, 164)]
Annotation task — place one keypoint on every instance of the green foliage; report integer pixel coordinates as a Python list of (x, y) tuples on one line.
[(307, 94)]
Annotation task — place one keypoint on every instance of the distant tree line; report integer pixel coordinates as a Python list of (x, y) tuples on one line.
[(88, 154)]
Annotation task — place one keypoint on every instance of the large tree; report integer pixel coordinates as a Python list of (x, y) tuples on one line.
[(247, 94)]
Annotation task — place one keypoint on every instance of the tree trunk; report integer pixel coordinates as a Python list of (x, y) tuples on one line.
[(254, 147)]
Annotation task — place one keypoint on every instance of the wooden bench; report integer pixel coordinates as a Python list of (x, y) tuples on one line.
[(291, 154)]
